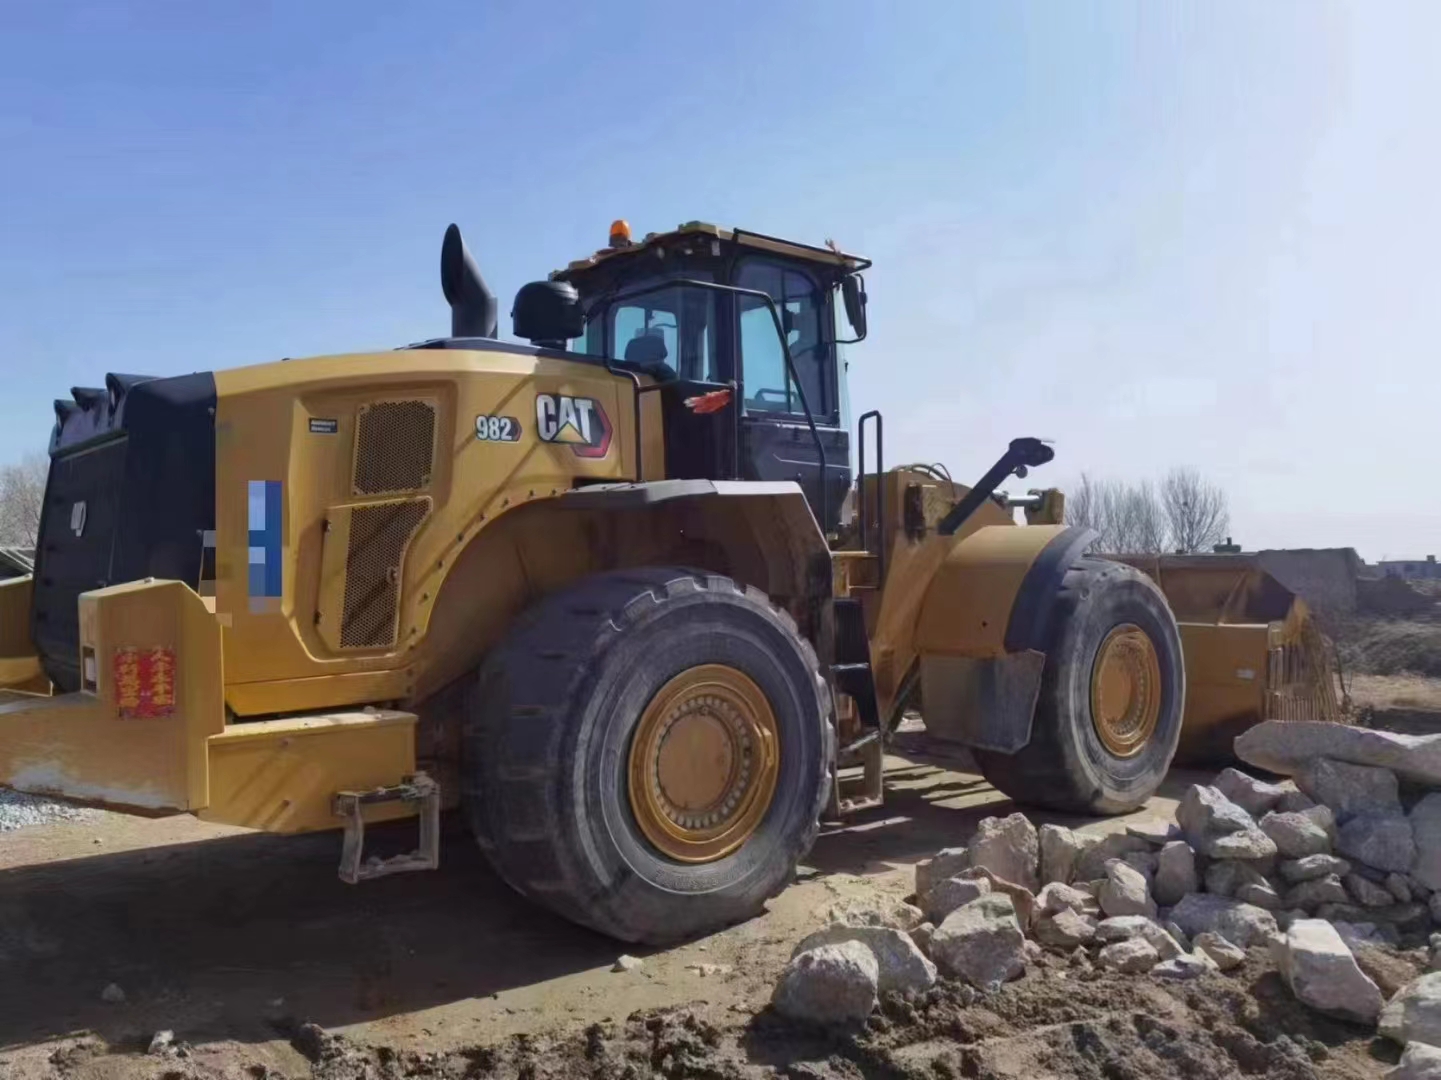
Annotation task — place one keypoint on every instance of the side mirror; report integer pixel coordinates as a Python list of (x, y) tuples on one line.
[(853, 293)]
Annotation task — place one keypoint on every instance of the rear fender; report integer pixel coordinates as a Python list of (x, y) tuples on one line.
[(760, 534)]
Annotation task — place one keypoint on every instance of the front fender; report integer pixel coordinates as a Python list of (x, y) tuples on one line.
[(983, 629), (994, 591)]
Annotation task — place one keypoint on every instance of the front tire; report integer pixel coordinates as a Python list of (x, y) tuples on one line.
[(1112, 696), (649, 752)]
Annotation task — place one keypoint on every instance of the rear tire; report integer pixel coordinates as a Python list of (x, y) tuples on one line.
[(1068, 764), (549, 736)]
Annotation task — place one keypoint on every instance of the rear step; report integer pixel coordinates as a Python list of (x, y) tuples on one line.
[(417, 789), (866, 791)]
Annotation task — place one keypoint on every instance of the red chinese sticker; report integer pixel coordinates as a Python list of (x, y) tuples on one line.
[(144, 682)]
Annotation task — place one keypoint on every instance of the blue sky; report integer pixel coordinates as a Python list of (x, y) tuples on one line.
[(1159, 234)]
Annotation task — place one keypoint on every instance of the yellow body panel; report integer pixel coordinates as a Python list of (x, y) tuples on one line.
[(282, 775), (264, 432), (1226, 668), (968, 601)]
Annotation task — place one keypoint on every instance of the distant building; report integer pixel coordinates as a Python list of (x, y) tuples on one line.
[(1412, 570)]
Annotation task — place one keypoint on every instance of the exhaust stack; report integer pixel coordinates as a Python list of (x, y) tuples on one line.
[(473, 308)]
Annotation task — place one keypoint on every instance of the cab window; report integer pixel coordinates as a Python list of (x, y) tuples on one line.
[(800, 302), (670, 330)]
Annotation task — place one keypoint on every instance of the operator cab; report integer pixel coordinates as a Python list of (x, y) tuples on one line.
[(742, 334)]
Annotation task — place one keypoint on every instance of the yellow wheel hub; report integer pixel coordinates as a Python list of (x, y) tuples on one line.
[(1126, 690), (703, 764)]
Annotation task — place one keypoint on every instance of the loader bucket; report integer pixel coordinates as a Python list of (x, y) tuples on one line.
[(1253, 651)]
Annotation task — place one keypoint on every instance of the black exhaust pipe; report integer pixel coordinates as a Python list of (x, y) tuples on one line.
[(473, 308)]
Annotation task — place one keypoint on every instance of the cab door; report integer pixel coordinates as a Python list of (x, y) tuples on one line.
[(776, 440)]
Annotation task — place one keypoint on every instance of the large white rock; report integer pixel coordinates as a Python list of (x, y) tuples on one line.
[(1091, 863), (1132, 956), (981, 943), (1205, 814), (1380, 841), (1284, 746), (1314, 892), (1223, 953), (1059, 849), (946, 863), (1398, 885), (1349, 789), (1021, 897), (1175, 872), (1010, 848), (1426, 830), (1186, 966), (1155, 831), (1313, 866), (902, 966), (1367, 893), (1250, 844), (1126, 927), (1124, 891), (832, 984), (1414, 1014), (950, 894), (1322, 973), (1254, 796), (1065, 929), (1059, 897), (1240, 924), (1143, 861), (1418, 1062), (1225, 876), (1262, 894), (1294, 799), (1296, 835)]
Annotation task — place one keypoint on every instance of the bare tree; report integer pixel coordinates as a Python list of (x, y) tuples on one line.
[(1083, 504), (1196, 510), (1148, 531), (22, 493), (1129, 518)]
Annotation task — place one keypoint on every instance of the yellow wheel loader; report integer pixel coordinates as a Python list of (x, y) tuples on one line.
[(616, 593)]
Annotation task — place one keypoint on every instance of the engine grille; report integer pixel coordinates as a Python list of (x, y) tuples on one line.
[(394, 447), (378, 538)]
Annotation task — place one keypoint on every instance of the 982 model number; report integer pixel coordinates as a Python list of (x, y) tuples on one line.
[(497, 429)]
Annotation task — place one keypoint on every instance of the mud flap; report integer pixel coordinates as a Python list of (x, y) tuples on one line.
[(987, 704)]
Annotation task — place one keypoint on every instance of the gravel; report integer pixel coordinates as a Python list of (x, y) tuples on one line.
[(19, 810)]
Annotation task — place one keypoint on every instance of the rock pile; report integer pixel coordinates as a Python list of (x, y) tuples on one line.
[(1326, 872)]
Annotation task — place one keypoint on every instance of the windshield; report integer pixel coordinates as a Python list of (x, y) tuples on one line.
[(670, 328)]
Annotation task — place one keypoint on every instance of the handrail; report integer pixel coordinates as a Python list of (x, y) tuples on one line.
[(874, 414)]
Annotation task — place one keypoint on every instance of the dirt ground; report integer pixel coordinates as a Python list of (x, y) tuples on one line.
[(263, 965)]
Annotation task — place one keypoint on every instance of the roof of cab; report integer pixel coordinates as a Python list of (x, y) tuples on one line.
[(700, 230)]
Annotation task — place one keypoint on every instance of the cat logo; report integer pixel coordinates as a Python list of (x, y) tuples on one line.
[(577, 422)]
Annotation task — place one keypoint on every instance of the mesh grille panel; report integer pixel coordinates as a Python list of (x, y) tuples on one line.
[(378, 535), (394, 447)]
